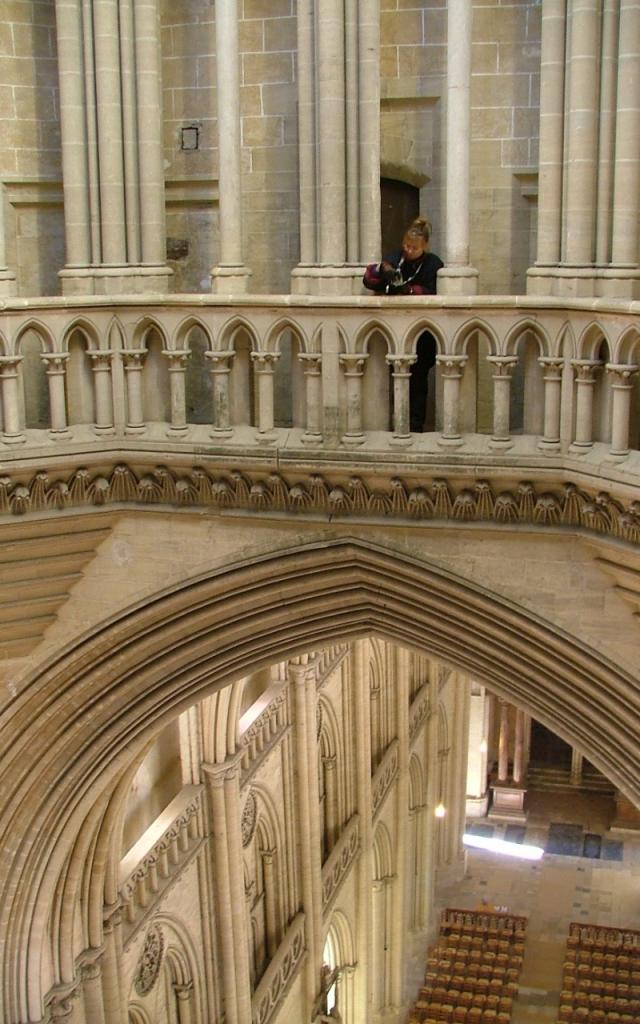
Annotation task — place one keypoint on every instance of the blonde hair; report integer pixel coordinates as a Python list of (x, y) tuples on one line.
[(419, 228)]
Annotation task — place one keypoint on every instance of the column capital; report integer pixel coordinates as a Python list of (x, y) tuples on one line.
[(585, 370), (451, 365), (622, 372), (264, 361), (9, 365), (54, 361), (312, 361), (183, 991), (401, 364), (101, 358), (554, 366), (228, 769), (133, 358), (177, 355), (219, 360), (503, 365), (353, 362)]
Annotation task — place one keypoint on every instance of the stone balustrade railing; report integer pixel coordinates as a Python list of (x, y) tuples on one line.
[(269, 719), (337, 864), (106, 401), (160, 854), (383, 776), (276, 980)]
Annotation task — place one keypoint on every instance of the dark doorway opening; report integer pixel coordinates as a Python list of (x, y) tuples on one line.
[(399, 205), (547, 748)]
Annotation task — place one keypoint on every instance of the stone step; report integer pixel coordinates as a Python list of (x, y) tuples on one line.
[(548, 778)]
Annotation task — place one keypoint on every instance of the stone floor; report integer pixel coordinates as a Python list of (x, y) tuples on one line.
[(554, 891)]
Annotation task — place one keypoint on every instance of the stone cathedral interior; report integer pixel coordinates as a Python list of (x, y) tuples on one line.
[(271, 659)]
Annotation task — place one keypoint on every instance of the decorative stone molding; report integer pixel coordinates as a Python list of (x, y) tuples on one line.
[(275, 981), (418, 712), (384, 776), (150, 961), (337, 864), (249, 819), (340, 497)]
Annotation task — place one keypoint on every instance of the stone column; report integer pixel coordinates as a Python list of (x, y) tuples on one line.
[(133, 360), (91, 975), (452, 370), (7, 277), (271, 903), (458, 277), (359, 676), (576, 766), (55, 370), (331, 800), (115, 1010), (584, 83), (606, 131), (401, 372), (312, 362), (585, 380), (622, 387), (552, 67), (339, 143), (503, 743), (518, 748), (399, 910), (229, 276), (476, 789), (12, 432), (113, 173), (101, 366), (303, 677), (177, 365), (626, 190), (220, 370), (503, 368), (184, 998), (553, 368), (264, 364), (228, 877), (353, 365)]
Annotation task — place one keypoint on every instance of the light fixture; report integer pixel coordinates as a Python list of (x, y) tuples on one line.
[(483, 746), (440, 810)]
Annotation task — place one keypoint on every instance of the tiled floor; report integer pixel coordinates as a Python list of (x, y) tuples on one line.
[(553, 892)]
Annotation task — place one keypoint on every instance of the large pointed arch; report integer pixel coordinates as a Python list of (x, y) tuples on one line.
[(107, 695)]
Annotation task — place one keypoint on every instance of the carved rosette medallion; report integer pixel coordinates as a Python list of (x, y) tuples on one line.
[(150, 961), (249, 819)]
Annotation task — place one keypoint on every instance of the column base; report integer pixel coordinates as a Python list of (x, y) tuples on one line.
[(458, 281), (449, 442), (477, 806), (614, 282), (353, 439), (327, 279), (311, 439), (221, 433), (401, 440), (136, 430), (500, 444), (13, 438), (548, 447), (508, 803), (579, 448), (127, 279), (230, 279)]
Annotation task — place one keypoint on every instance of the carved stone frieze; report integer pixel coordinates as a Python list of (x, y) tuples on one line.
[(249, 819), (278, 976), (436, 500), (337, 865), (384, 776), (150, 961)]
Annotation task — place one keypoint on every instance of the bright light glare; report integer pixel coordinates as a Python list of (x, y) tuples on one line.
[(502, 846)]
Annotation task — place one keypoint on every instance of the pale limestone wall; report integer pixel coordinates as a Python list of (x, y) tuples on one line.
[(506, 55), (267, 42), (30, 162), (504, 153), (179, 914)]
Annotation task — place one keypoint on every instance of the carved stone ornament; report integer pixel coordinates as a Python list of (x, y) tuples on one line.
[(249, 819), (150, 961), (434, 499)]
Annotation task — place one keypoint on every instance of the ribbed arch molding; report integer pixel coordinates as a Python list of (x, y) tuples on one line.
[(102, 699)]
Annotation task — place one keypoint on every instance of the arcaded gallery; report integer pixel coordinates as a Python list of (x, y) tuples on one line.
[(320, 511)]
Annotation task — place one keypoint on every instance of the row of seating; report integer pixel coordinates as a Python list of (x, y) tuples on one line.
[(471, 975), (600, 982)]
